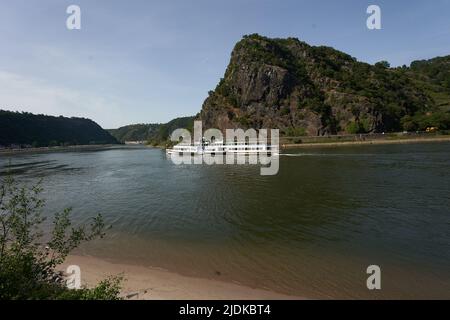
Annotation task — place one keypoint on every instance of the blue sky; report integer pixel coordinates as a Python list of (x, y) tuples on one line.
[(151, 61)]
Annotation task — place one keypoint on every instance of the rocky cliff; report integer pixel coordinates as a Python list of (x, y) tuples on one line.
[(307, 90)]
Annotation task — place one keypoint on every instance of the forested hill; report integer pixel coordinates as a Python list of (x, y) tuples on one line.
[(153, 133), (21, 128)]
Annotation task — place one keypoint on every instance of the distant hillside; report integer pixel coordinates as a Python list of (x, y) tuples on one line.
[(308, 90), (135, 132), (156, 133), (21, 128)]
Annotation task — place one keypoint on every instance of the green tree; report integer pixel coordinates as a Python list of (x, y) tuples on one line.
[(357, 127), (27, 262), (383, 64)]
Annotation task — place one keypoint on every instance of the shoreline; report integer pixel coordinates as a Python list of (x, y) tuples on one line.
[(367, 142), (93, 147), (7, 152), (148, 283)]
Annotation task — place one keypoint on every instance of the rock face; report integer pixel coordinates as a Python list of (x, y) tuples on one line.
[(305, 90)]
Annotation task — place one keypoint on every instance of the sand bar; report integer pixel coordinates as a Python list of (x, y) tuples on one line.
[(145, 283)]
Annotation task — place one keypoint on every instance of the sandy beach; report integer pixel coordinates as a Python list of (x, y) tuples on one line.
[(144, 283)]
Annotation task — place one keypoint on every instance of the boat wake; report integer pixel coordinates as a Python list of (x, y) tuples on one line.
[(294, 154)]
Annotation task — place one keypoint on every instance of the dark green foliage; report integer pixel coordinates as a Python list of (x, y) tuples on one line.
[(155, 134), (108, 289), (383, 64), (135, 132), (22, 128), (27, 261), (437, 70), (179, 123), (357, 127), (433, 77), (263, 50), (244, 121), (421, 122), (295, 132)]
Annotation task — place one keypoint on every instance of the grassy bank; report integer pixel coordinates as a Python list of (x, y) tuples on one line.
[(334, 142)]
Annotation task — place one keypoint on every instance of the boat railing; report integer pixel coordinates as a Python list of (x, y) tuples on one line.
[(222, 144)]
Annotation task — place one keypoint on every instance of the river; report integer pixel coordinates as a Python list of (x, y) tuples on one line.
[(311, 230)]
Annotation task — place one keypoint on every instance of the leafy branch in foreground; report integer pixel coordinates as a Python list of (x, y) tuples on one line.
[(28, 263)]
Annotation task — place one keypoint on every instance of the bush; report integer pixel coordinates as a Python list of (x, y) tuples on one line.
[(421, 122), (357, 127), (296, 132), (108, 289), (27, 263)]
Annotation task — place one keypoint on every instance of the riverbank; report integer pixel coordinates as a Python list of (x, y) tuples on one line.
[(379, 141), (355, 140), (367, 142), (145, 283), (60, 149)]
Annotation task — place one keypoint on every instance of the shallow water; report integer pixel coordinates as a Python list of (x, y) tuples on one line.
[(312, 230)]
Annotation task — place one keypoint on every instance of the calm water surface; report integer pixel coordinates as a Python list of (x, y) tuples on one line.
[(312, 230)]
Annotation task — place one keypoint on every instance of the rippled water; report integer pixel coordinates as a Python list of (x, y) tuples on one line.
[(311, 230)]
